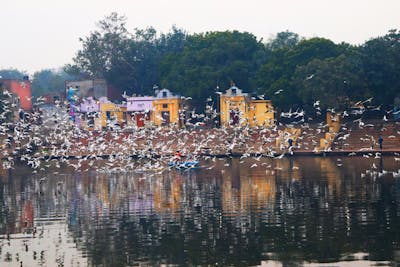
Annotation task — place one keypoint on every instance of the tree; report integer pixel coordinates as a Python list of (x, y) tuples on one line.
[(283, 40), (12, 74), (49, 81), (380, 59), (104, 47), (209, 60), (334, 82), (314, 48), (130, 62), (276, 75)]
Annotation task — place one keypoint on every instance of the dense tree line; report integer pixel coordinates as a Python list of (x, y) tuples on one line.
[(292, 71)]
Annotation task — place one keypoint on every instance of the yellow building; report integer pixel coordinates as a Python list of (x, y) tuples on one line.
[(334, 124), (167, 109), (237, 108), (112, 115)]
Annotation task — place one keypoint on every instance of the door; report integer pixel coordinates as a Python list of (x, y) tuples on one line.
[(165, 118), (234, 117), (139, 119)]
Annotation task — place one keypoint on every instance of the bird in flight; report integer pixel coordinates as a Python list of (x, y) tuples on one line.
[(310, 77)]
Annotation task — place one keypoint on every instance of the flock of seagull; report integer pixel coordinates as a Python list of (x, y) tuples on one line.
[(47, 138)]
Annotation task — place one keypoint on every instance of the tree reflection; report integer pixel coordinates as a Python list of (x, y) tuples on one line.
[(290, 210)]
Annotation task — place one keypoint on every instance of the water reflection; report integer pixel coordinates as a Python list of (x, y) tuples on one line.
[(231, 212)]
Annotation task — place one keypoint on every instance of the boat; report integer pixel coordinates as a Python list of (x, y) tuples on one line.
[(184, 164)]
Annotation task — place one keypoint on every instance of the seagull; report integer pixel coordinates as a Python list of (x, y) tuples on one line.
[(7, 93), (310, 77), (278, 92), (368, 100)]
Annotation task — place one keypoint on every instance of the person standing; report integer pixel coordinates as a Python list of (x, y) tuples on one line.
[(380, 141), (178, 156), (290, 142)]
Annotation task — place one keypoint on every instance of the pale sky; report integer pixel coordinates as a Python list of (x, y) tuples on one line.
[(39, 34)]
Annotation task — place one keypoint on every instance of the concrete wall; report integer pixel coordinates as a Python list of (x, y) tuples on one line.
[(251, 112), (170, 105), (142, 103), (116, 113), (95, 88), (260, 113)]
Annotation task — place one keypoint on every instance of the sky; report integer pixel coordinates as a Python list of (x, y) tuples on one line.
[(43, 34)]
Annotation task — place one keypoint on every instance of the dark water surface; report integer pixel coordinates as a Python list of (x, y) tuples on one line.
[(231, 212)]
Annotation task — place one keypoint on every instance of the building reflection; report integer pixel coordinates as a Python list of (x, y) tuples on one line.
[(33, 225), (167, 193), (244, 188), (240, 212)]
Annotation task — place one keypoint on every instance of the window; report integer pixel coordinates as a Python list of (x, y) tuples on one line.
[(165, 105), (233, 91), (164, 94)]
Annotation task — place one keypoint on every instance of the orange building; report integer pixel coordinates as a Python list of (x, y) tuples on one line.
[(167, 109), (112, 113), (238, 108), (20, 88)]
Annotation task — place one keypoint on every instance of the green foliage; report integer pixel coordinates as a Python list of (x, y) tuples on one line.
[(284, 40), (104, 47), (210, 60), (128, 61), (313, 69), (12, 74), (196, 64), (333, 81), (49, 81), (380, 59)]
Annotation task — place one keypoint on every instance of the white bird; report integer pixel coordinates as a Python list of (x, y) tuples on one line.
[(310, 77), (278, 92), (211, 167), (280, 156)]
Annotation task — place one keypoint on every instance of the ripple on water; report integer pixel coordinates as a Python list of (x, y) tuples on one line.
[(301, 211)]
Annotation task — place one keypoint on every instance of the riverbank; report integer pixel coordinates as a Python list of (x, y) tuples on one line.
[(222, 142)]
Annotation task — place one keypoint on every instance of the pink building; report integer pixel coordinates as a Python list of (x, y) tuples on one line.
[(89, 105), (140, 108)]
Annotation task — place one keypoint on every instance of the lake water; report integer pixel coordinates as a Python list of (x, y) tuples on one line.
[(311, 211)]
